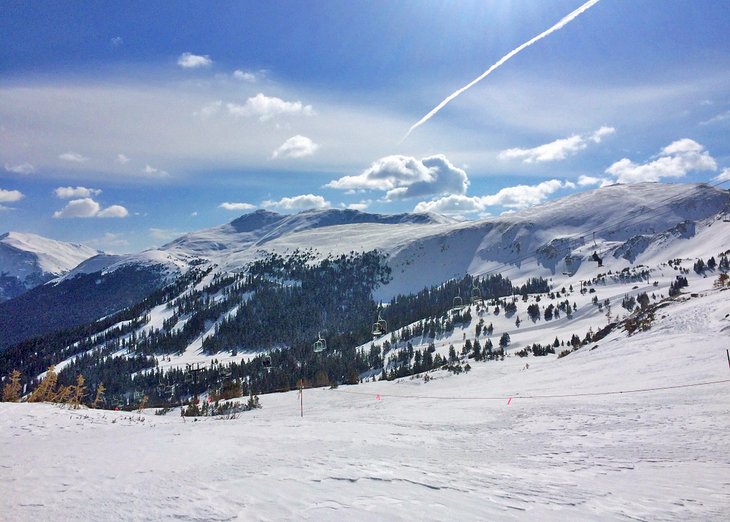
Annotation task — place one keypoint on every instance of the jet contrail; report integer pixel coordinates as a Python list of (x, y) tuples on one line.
[(562, 23)]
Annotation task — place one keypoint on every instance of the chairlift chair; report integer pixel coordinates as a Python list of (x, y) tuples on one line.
[(380, 327), (320, 344), (458, 303)]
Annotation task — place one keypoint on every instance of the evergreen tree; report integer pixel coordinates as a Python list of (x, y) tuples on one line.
[(504, 340)]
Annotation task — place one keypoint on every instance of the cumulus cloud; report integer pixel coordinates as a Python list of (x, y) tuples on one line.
[(21, 168), (87, 208), (404, 177), (148, 169), (122, 159), (267, 107), (113, 211), (10, 196), (302, 202), (558, 149), (587, 181), (247, 76), (194, 61), (601, 133), (236, 206), (516, 197), (296, 147), (674, 161), (73, 157), (362, 205), (117, 41), (75, 192)]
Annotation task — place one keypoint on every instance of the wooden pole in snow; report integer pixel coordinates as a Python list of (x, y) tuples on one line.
[(728, 357), (301, 396)]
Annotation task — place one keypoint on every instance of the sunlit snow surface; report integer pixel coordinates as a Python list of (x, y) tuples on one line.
[(448, 449)]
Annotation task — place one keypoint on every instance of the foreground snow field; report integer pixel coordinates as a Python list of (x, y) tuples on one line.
[(565, 447)]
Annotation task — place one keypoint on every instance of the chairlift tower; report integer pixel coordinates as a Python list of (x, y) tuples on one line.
[(476, 295)]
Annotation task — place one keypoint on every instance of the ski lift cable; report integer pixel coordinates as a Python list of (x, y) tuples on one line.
[(532, 396)]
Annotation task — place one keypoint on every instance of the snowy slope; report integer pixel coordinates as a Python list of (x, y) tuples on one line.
[(637, 428), (30, 260)]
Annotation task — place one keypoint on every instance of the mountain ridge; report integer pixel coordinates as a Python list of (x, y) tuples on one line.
[(608, 229), (27, 260)]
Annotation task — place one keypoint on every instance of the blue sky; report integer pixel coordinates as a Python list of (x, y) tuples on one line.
[(124, 125)]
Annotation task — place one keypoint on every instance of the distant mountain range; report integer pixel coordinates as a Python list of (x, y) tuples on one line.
[(28, 260), (615, 227)]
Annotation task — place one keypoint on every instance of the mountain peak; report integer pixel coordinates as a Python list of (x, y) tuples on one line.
[(255, 220), (27, 260)]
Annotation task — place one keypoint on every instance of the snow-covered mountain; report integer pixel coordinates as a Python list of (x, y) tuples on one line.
[(27, 260), (623, 224), (574, 238)]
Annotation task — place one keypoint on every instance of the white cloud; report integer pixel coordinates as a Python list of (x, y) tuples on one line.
[(523, 196), (674, 161), (87, 207), (454, 204), (194, 61), (361, 206), (296, 147), (404, 177), (21, 168), (302, 202), (267, 107), (723, 116), (155, 125), (723, 176), (113, 211), (75, 192), (517, 197), (558, 149), (117, 41), (587, 181), (601, 133), (10, 196), (122, 159), (73, 157), (148, 169), (246, 76), (235, 206)]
